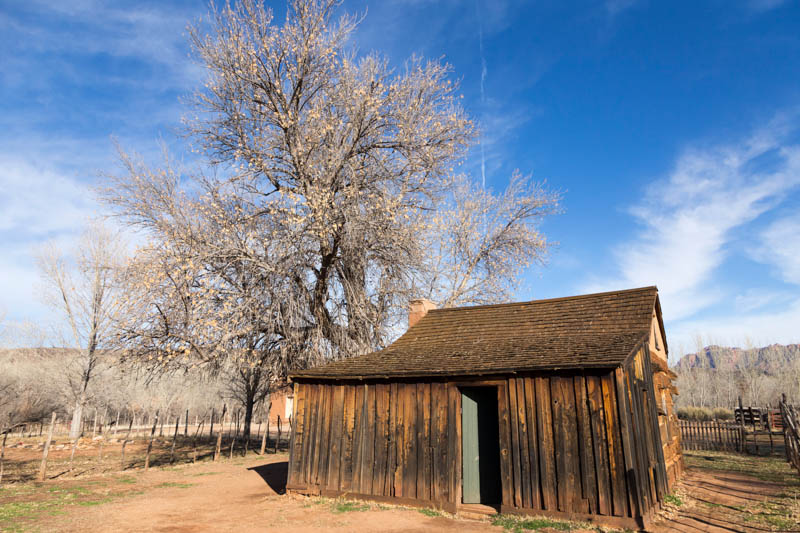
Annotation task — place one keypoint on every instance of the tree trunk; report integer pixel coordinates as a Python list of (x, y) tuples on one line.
[(77, 418), (248, 413)]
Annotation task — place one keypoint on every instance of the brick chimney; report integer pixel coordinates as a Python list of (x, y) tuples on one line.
[(418, 309)]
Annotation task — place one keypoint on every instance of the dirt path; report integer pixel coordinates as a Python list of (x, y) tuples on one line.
[(242, 496)]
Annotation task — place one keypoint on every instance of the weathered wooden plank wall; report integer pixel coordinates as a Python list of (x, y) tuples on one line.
[(581, 444)]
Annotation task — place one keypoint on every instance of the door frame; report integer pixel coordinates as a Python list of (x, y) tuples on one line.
[(502, 404)]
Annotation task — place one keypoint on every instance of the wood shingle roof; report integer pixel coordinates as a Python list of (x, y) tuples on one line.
[(586, 331)]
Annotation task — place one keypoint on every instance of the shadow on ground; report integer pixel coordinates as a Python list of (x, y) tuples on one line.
[(274, 474)]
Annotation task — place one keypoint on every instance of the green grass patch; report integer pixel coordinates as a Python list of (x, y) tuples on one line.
[(673, 499), (68, 490), (92, 503), (429, 512), (126, 479), (15, 516), (348, 507), (198, 474), (781, 523), (10, 491), (518, 524), (712, 505), (175, 485)]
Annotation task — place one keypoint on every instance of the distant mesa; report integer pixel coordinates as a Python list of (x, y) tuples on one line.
[(769, 359)]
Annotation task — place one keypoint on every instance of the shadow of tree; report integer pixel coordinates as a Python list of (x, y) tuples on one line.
[(274, 474)]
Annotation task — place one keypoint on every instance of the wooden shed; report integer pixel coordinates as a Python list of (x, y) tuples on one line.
[(545, 407)]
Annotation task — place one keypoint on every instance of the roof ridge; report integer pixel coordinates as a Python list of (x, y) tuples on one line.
[(544, 300)]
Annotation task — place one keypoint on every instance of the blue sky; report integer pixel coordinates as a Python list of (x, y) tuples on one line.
[(671, 127)]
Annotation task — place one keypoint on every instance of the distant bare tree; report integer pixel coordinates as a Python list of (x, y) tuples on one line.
[(750, 373), (83, 288)]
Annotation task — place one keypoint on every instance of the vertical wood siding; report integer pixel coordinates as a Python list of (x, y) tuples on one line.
[(569, 443)]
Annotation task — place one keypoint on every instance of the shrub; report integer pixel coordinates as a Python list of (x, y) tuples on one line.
[(695, 414), (720, 413)]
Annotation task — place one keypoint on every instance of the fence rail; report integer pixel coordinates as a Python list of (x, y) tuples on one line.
[(711, 435)]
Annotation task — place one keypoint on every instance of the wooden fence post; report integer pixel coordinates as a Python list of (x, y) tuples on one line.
[(769, 429), (150, 443), (174, 438), (743, 442), (3, 454), (186, 425), (46, 451), (266, 431), (124, 442), (104, 436), (194, 441), (211, 425), (221, 430), (278, 440)]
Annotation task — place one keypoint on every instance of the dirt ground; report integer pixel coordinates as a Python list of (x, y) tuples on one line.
[(720, 493), (725, 492), (242, 495)]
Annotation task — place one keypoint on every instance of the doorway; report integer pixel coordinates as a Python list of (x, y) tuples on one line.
[(480, 446)]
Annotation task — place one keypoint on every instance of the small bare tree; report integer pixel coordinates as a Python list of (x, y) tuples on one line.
[(83, 289)]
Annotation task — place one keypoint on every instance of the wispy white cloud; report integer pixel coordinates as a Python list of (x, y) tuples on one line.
[(757, 298), (39, 203), (613, 7), (153, 34), (780, 247), (688, 220), (764, 5)]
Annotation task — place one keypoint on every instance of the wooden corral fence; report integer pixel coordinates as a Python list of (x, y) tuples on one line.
[(712, 435), (759, 417), (791, 433), (228, 428)]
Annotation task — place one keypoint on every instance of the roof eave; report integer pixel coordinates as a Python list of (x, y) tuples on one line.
[(444, 374)]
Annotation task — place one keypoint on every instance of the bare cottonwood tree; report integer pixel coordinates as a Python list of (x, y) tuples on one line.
[(82, 288), (329, 203)]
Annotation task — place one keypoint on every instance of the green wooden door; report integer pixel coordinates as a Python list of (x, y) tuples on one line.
[(480, 446), (471, 492)]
